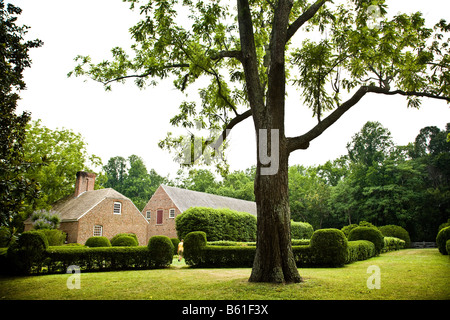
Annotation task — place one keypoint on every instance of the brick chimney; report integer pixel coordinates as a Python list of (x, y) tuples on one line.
[(85, 182)]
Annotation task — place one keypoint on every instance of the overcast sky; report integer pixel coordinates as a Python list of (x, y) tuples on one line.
[(129, 121)]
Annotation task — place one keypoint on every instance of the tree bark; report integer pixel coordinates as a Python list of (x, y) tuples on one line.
[(274, 259)]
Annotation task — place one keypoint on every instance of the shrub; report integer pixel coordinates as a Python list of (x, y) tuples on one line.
[(392, 243), (329, 247), (113, 239), (54, 237), (444, 225), (346, 229), (160, 249), (360, 250), (194, 242), (441, 239), (447, 246), (28, 253), (227, 256), (218, 224), (94, 242), (397, 232), (95, 259), (124, 240), (301, 230), (367, 233)]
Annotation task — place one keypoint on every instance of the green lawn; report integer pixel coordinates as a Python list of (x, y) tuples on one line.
[(406, 274)]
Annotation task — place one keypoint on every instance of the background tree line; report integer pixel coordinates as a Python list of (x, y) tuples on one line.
[(376, 181)]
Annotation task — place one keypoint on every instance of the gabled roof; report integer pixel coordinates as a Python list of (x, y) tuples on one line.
[(184, 199), (72, 209)]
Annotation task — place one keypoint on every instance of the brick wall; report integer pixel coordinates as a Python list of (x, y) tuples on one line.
[(161, 201), (129, 221)]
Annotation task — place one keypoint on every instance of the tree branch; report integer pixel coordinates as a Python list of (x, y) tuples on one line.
[(305, 17), (216, 144), (407, 93), (177, 65), (302, 142), (228, 54)]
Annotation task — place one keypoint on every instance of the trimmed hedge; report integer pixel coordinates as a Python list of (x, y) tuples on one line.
[(95, 242), (30, 256), (330, 247), (97, 259), (397, 232), (447, 246), (441, 239), (193, 245), (367, 233), (132, 235), (301, 230), (218, 224), (124, 240), (392, 243), (160, 249), (360, 250)]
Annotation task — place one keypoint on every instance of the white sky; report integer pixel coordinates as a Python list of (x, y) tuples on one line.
[(129, 121)]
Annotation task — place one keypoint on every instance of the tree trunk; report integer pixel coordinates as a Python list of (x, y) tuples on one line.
[(274, 259)]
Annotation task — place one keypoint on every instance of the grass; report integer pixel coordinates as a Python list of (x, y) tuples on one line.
[(405, 275)]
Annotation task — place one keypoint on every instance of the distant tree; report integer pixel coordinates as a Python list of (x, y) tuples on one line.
[(131, 178), (15, 188), (58, 154)]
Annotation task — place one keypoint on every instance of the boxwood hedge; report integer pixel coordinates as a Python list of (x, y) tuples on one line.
[(218, 224)]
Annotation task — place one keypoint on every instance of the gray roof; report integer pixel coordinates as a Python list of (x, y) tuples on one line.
[(71, 208), (184, 199)]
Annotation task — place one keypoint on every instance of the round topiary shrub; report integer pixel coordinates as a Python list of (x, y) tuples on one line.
[(447, 246), (441, 239), (160, 249), (329, 247), (125, 234), (28, 252), (97, 242), (193, 244), (124, 241), (367, 233), (397, 232)]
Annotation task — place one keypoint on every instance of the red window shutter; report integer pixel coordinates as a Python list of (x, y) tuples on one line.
[(159, 217)]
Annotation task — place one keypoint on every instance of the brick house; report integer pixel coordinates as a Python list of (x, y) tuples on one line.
[(103, 212), (168, 202)]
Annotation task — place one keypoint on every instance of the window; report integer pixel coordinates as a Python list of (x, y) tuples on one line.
[(98, 231), (172, 213), (159, 217), (148, 214), (117, 207)]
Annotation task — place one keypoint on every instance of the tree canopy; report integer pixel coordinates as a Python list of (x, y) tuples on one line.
[(15, 188)]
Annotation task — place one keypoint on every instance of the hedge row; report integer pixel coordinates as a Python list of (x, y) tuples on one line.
[(228, 225), (218, 224), (327, 248), (32, 255)]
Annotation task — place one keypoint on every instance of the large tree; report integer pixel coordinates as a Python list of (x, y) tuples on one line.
[(15, 188), (248, 52)]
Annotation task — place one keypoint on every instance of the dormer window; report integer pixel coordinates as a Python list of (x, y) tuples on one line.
[(117, 208)]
